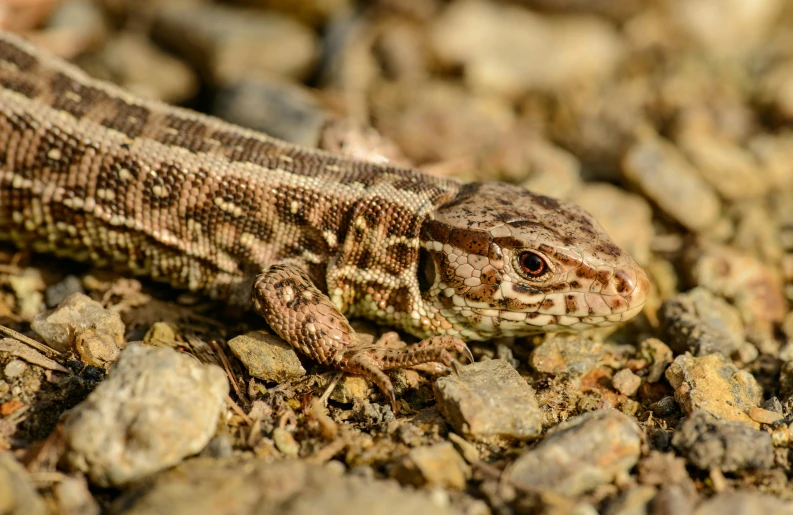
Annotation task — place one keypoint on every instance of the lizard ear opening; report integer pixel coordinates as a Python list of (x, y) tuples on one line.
[(426, 271)]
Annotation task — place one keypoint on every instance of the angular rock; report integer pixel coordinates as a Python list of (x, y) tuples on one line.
[(626, 382), (351, 389), (489, 399), (701, 323), (157, 407), (258, 487), (77, 314), (436, 465), (658, 354), (708, 443), (659, 170), (581, 454), (715, 385), (267, 357), (567, 354)]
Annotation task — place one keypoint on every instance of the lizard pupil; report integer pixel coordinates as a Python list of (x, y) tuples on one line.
[(532, 264)]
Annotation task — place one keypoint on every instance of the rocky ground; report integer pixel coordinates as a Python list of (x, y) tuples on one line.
[(669, 120)]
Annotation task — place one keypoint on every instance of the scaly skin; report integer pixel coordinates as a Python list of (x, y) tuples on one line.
[(92, 173)]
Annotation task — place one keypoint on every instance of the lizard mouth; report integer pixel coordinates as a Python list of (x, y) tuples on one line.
[(598, 305)]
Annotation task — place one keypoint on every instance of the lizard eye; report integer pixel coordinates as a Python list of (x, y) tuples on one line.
[(532, 265)]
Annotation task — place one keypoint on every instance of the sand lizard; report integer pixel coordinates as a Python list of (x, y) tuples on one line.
[(90, 172)]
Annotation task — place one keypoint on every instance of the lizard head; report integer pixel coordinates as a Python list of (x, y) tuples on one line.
[(500, 260)]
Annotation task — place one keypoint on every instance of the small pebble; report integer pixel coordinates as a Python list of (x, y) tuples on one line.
[(436, 465), (267, 357), (764, 416), (285, 442), (15, 368), (626, 382)]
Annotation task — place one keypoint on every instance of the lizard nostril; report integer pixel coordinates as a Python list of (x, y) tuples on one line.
[(632, 284), (625, 281)]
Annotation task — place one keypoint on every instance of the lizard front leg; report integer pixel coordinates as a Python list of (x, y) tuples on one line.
[(306, 318)]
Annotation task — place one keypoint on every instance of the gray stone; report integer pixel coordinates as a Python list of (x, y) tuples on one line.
[(282, 109), (658, 354), (708, 443), (489, 399), (56, 293), (157, 407), (701, 323), (14, 368), (267, 357), (581, 454), (79, 314)]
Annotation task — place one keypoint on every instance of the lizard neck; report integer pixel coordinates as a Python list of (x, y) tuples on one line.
[(375, 274)]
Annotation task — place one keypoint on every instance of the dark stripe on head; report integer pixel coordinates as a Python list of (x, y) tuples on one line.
[(509, 242), (433, 230), (473, 242)]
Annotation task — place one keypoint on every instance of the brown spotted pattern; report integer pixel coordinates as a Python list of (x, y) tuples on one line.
[(90, 172)]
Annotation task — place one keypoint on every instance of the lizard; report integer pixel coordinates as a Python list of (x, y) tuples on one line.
[(306, 238)]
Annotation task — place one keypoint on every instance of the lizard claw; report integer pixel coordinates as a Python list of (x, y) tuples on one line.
[(468, 353), (392, 398)]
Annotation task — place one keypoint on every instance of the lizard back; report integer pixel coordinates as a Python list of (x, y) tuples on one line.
[(90, 172)]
